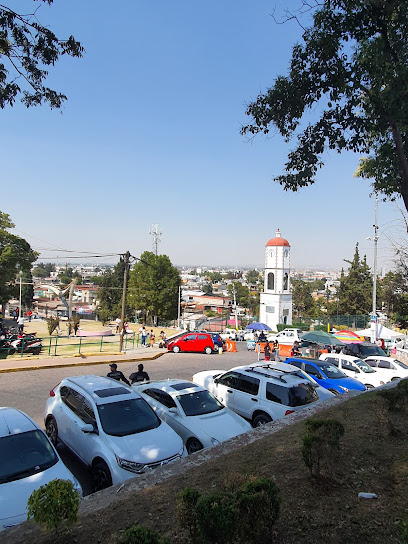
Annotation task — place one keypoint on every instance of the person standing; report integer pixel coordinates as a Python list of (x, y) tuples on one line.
[(152, 338), (118, 322), (116, 374), (140, 375), (143, 335), (267, 351), (76, 327), (29, 314), (20, 323)]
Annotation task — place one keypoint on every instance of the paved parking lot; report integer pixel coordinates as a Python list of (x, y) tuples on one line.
[(29, 390)]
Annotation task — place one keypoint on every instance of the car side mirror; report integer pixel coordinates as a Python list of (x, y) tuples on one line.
[(216, 380), (88, 428), (173, 410), (320, 377)]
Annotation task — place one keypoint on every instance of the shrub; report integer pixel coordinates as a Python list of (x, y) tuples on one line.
[(53, 504), (52, 324), (217, 517), (186, 504), (244, 511), (142, 535), (258, 504), (397, 397), (320, 444)]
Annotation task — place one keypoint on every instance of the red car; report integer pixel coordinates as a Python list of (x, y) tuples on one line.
[(193, 341)]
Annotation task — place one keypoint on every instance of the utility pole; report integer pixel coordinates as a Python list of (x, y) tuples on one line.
[(374, 310), (178, 307), (126, 258), (235, 306), (156, 233)]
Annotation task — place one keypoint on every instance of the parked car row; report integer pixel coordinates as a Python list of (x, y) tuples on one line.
[(119, 431)]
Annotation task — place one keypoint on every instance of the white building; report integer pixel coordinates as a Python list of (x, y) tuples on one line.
[(276, 298)]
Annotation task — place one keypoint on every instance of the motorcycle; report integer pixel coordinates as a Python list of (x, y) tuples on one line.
[(26, 344)]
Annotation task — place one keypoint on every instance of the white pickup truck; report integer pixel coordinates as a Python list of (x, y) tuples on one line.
[(287, 336)]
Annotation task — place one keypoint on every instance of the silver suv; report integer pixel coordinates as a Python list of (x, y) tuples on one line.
[(260, 392), (110, 427)]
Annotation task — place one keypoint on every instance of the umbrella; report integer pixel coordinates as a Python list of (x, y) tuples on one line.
[(348, 337), (321, 337), (257, 327)]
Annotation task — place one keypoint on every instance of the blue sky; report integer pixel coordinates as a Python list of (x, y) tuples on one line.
[(150, 135)]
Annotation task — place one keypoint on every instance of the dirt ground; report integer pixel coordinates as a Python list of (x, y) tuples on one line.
[(370, 460)]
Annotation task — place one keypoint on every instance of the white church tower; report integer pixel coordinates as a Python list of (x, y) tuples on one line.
[(276, 299)]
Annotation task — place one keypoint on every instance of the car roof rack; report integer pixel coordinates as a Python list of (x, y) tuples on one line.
[(271, 367)]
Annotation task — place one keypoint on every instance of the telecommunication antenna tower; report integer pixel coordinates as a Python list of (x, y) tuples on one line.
[(156, 233)]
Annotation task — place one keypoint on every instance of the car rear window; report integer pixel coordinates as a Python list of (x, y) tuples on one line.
[(298, 395)]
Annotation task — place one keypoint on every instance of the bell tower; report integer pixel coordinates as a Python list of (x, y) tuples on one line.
[(276, 298)]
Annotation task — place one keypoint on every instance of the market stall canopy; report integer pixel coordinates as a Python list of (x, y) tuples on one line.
[(348, 337), (321, 337), (382, 332), (257, 327)]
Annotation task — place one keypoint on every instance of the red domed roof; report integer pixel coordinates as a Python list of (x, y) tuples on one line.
[(278, 240)]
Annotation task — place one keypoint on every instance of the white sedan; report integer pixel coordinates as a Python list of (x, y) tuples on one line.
[(28, 461), (389, 367), (198, 417)]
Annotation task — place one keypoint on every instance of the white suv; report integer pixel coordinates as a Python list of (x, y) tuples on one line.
[(355, 368), (287, 336), (260, 393), (110, 427)]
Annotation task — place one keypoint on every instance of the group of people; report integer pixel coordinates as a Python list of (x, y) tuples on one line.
[(139, 376), (148, 338), (271, 350)]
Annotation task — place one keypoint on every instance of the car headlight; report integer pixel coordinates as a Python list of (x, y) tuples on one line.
[(343, 388), (131, 466), (215, 441)]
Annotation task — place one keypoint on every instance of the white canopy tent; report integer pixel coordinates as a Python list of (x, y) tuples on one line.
[(382, 332)]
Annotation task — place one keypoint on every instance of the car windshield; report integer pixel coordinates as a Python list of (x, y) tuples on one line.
[(199, 403), (25, 454), (332, 371), (401, 364), (362, 365), (127, 417), (366, 351)]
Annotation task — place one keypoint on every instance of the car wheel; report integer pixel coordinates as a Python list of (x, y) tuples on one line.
[(208, 350), (176, 349), (193, 445), (369, 386), (101, 476), (260, 420), (51, 428), (395, 379)]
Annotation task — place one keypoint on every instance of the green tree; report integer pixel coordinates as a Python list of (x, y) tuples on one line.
[(27, 49), (110, 294), (303, 302), (241, 293), (15, 255), (351, 74), (39, 271), (356, 287), (253, 276), (207, 288), (153, 287)]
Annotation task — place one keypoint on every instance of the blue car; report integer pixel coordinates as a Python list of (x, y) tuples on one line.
[(326, 375)]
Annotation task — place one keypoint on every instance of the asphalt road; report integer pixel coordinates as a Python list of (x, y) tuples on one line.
[(28, 391)]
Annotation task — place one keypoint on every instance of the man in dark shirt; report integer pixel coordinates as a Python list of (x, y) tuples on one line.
[(117, 374), (140, 375)]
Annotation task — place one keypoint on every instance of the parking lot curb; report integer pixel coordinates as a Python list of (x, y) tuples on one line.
[(82, 363)]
